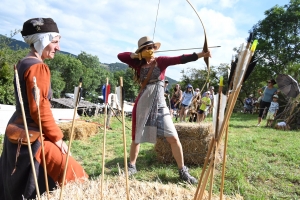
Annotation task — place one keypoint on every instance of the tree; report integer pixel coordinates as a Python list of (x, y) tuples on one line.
[(69, 68), (197, 77), (57, 83), (278, 38), (8, 58), (95, 75), (130, 86)]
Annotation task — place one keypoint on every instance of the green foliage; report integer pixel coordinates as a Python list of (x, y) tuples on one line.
[(8, 58), (197, 77), (131, 87), (278, 47), (278, 37), (113, 67), (94, 76), (6, 85), (57, 83), (69, 67)]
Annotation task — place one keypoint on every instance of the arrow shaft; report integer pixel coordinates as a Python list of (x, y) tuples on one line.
[(184, 49)]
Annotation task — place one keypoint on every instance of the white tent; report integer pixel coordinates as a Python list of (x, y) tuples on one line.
[(59, 114)]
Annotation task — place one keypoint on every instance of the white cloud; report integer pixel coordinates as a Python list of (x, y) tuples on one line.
[(106, 28), (228, 3)]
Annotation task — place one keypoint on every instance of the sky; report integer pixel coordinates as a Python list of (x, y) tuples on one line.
[(107, 27)]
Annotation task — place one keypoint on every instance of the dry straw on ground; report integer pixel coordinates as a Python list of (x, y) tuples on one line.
[(115, 188), (195, 140), (82, 129)]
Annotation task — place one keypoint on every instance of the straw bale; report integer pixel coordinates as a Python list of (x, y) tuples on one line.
[(82, 129), (188, 130), (195, 140), (115, 188)]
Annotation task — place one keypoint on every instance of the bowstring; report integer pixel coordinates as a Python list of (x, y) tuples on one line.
[(155, 20)]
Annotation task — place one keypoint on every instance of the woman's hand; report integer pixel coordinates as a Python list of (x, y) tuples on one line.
[(134, 56), (63, 146), (204, 54)]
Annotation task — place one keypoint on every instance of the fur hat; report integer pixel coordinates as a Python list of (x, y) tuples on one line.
[(39, 25), (145, 41)]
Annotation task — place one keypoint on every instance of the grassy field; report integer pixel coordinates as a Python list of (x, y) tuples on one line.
[(262, 163)]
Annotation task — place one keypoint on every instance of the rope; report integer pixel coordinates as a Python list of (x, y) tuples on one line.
[(156, 19)]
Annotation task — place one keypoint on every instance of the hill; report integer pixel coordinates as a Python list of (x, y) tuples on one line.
[(121, 66), (17, 44)]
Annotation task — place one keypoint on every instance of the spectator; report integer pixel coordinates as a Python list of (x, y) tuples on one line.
[(267, 93), (197, 90), (186, 101), (273, 109), (175, 100), (248, 104), (167, 93), (211, 96), (204, 103), (194, 105)]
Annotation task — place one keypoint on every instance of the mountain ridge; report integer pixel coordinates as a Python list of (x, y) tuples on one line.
[(16, 44)]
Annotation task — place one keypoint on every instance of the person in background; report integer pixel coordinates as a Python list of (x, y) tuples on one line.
[(175, 100), (204, 103), (194, 105), (186, 101), (167, 93), (248, 104), (150, 115), (272, 112), (16, 176), (197, 90), (211, 96), (267, 93)]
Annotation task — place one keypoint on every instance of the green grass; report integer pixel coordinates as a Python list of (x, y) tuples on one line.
[(262, 163)]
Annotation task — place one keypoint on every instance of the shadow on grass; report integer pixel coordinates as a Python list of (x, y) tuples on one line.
[(149, 168)]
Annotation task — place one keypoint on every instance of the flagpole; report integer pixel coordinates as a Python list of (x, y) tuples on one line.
[(26, 131), (37, 101), (71, 136)]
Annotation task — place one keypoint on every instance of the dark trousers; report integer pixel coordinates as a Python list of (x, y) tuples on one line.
[(262, 107)]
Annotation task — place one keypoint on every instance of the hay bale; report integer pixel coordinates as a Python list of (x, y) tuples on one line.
[(115, 188), (82, 129), (195, 140)]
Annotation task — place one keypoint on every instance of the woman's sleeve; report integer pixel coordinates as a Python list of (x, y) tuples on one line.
[(165, 61), (125, 58), (42, 74)]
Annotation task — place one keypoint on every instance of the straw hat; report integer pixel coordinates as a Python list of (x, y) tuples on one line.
[(145, 41)]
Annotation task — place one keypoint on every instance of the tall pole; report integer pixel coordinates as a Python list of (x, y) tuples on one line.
[(37, 101), (104, 137), (124, 136), (71, 136), (26, 131)]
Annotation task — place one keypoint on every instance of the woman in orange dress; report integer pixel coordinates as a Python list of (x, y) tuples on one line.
[(16, 176)]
